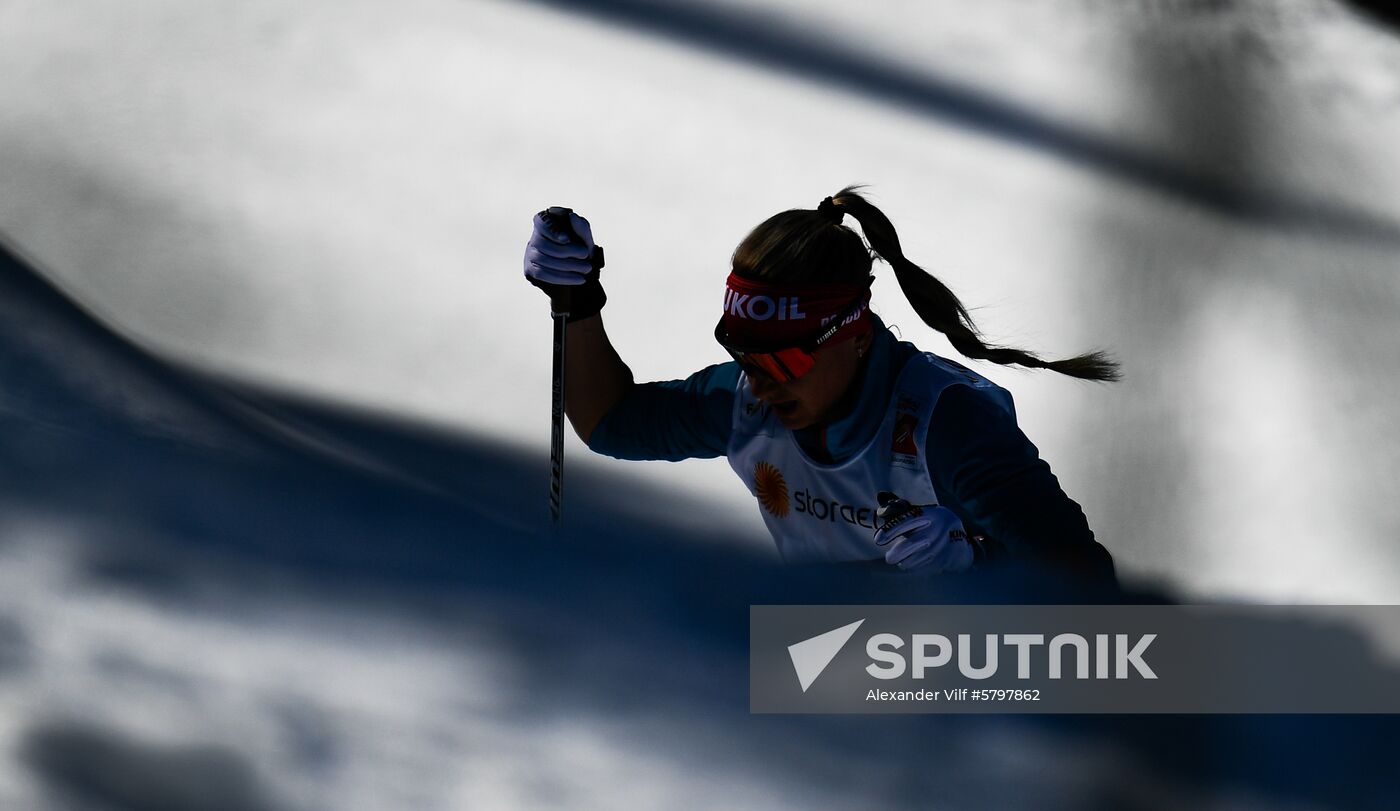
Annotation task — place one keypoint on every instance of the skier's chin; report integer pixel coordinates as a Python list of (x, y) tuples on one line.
[(792, 415)]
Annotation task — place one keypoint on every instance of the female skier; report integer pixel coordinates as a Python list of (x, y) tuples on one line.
[(857, 446)]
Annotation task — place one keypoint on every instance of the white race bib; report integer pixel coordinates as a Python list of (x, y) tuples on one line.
[(826, 513)]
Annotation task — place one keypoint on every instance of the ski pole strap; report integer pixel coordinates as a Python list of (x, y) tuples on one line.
[(577, 301)]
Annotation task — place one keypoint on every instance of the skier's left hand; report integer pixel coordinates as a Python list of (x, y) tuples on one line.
[(925, 538)]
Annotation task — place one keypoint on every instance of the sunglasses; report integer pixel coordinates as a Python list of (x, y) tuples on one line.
[(789, 363)]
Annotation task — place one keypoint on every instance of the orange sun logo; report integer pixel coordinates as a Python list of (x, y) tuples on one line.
[(771, 489)]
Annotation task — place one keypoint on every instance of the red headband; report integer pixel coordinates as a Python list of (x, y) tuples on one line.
[(771, 316)]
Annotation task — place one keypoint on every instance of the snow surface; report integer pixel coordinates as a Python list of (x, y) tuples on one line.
[(334, 196)]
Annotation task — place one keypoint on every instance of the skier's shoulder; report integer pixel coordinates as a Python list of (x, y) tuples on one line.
[(954, 385), (671, 419), (929, 368), (719, 377)]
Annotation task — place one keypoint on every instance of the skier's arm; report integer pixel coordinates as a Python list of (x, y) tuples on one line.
[(986, 469), (562, 260), (671, 420), (597, 377)]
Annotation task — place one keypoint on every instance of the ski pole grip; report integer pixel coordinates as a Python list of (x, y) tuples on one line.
[(892, 509), (561, 297)]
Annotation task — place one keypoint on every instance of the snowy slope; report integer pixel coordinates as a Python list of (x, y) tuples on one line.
[(333, 196), (218, 597)]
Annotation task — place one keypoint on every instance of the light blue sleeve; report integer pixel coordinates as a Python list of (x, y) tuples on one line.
[(671, 420)]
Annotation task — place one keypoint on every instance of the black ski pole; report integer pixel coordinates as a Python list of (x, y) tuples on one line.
[(560, 304), (556, 447)]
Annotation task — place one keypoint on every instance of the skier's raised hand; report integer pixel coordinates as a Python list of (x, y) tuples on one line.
[(925, 538), (562, 260)]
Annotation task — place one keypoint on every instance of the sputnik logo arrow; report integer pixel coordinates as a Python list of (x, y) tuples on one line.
[(811, 656)]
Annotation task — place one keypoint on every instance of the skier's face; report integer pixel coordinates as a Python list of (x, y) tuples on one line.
[(810, 399)]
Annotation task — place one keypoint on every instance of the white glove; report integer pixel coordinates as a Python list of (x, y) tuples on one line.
[(926, 538), (562, 260), (555, 257)]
